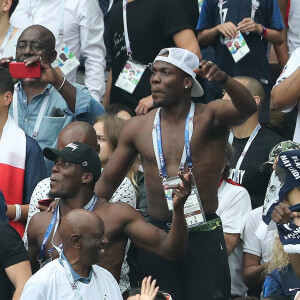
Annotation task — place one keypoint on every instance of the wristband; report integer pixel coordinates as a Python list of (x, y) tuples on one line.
[(18, 212), (64, 80), (224, 80), (264, 31)]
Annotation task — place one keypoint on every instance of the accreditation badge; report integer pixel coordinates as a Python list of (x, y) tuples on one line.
[(237, 46), (66, 60), (130, 76), (193, 211)]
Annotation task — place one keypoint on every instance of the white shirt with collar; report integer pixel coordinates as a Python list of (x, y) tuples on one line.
[(83, 33)]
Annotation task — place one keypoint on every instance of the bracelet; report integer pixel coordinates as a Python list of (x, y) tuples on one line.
[(264, 31), (64, 80), (224, 80), (18, 212)]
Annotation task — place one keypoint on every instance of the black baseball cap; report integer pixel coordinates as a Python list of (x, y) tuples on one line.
[(77, 153)]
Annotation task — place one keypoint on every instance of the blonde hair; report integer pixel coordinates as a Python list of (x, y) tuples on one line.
[(112, 128), (280, 258)]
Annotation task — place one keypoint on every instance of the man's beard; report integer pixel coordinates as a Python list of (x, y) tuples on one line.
[(54, 195)]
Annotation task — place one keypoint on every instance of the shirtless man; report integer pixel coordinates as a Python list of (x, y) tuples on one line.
[(76, 170), (204, 273)]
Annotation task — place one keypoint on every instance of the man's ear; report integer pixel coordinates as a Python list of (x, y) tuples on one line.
[(188, 82), (8, 97), (257, 100), (53, 56), (75, 240), (87, 177)]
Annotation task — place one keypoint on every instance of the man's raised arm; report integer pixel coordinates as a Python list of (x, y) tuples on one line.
[(148, 237), (242, 104), (119, 163)]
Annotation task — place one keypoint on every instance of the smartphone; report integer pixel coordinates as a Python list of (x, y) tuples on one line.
[(45, 202), (19, 70)]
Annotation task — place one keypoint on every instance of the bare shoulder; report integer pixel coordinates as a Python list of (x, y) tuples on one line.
[(39, 222)]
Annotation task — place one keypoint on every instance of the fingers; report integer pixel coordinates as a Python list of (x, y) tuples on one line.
[(144, 106), (32, 60), (248, 25), (281, 214), (229, 30), (148, 289), (41, 207), (4, 62)]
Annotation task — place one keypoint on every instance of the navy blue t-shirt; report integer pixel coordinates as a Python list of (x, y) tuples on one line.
[(255, 64)]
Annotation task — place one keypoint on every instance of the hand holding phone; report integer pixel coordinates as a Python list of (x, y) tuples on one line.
[(20, 70)]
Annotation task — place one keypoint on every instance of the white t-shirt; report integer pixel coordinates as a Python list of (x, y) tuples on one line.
[(234, 205), (10, 48), (51, 283), (293, 33), (253, 245), (292, 65), (83, 33)]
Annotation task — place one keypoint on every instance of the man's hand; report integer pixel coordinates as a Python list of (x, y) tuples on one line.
[(248, 25), (4, 62), (181, 191), (229, 30), (144, 106), (282, 214), (210, 71), (48, 74)]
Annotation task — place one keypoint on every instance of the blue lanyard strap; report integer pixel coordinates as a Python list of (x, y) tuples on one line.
[(47, 234), (90, 206), (157, 143)]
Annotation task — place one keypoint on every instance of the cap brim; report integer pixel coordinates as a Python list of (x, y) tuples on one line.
[(53, 154), (265, 165), (197, 90)]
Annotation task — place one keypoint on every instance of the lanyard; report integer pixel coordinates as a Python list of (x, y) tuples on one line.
[(127, 42), (239, 162), (40, 115), (62, 16), (73, 283), (54, 222), (254, 8), (6, 39), (157, 143)]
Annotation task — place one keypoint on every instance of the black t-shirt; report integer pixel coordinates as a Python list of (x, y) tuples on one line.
[(250, 175), (12, 251), (151, 25)]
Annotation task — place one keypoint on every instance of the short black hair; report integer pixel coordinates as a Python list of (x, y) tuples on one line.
[(14, 4), (115, 108), (6, 81)]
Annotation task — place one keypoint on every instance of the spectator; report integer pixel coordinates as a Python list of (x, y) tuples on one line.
[(259, 25), (251, 144), (119, 110), (285, 94), (173, 82), (14, 264), (76, 24), (281, 279), (152, 25), (75, 274), (76, 131), (9, 34), (234, 205), (21, 161), (67, 102)]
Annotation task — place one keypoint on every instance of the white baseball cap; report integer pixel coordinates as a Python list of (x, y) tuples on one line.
[(184, 60)]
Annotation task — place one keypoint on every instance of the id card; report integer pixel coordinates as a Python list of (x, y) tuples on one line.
[(237, 47), (130, 76), (66, 60), (193, 211)]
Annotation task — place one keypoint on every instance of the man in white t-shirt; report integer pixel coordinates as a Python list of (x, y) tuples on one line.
[(286, 92), (234, 205), (80, 26), (75, 274)]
